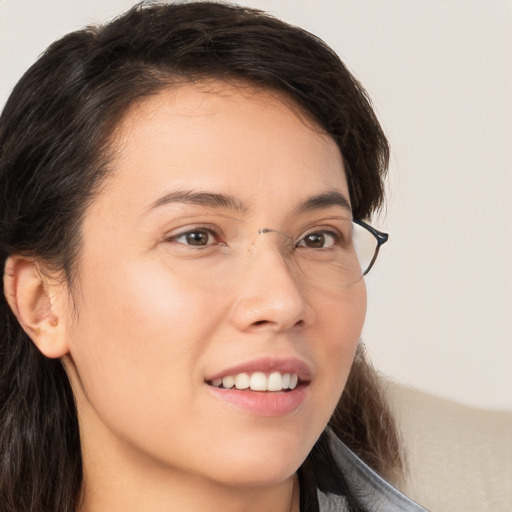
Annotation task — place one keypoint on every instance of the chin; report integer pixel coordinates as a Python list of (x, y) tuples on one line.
[(253, 474), (262, 460)]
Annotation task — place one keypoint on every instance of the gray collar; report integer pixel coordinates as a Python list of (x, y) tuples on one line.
[(373, 492)]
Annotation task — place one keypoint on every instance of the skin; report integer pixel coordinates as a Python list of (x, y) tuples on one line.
[(152, 319)]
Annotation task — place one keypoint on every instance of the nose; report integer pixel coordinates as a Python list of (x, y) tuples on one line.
[(268, 295)]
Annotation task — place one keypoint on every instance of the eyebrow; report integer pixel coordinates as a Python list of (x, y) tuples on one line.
[(325, 200), (229, 202), (209, 199)]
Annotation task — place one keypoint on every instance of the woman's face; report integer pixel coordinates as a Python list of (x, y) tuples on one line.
[(177, 289)]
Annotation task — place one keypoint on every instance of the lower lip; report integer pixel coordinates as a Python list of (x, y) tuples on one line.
[(263, 403)]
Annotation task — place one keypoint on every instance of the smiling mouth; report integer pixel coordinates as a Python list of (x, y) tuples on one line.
[(258, 381)]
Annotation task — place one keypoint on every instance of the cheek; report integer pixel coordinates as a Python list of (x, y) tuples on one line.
[(342, 317), (340, 322), (138, 341)]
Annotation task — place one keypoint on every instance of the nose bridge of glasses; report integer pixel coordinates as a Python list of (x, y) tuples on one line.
[(268, 264), (283, 241), (264, 231), (271, 243)]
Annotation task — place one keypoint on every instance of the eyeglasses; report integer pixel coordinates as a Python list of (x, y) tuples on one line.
[(368, 244), (333, 254)]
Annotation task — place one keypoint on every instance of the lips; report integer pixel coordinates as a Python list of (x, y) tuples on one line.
[(258, 387), (265, 386), (263, 374)]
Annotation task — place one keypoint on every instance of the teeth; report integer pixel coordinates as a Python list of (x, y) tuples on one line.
[(258, 381), (275, 382), (228, 382), (242, 381)]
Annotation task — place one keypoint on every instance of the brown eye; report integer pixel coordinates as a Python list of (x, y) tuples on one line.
[(196, 238), (319, 240), (315, 240)]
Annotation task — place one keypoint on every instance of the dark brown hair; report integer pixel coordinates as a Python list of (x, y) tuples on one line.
[(54, 135)]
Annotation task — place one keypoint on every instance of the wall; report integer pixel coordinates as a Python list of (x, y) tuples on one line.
[(440, 75)]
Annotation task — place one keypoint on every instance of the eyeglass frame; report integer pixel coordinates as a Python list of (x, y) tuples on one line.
[(381, 238)]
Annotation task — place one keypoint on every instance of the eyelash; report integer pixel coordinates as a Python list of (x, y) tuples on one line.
[(200, 229), (336, 237)]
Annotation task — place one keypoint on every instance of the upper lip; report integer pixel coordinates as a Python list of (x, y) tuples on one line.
[(268, 365)]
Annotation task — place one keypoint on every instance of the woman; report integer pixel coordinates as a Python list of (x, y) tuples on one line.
[(183, 297)]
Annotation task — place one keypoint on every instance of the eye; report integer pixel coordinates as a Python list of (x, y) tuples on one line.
[(323, 239), (197, 237)]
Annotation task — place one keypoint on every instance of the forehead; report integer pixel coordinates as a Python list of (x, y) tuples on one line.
[(253, 144)]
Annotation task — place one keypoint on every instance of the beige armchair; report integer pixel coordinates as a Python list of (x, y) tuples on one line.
[(459, 457)]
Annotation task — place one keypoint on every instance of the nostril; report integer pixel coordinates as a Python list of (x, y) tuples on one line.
[(259, 323)]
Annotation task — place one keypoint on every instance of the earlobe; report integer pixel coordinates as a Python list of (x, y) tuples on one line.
[(34, 298)]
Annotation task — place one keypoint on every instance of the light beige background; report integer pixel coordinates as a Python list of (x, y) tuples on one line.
[(440, 75)]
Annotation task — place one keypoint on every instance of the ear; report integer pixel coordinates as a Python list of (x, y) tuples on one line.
[(38, 302)]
